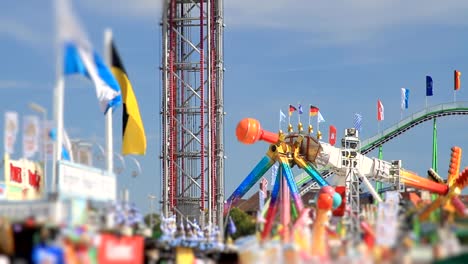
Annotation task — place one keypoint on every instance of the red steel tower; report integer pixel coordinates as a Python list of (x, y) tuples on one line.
[(192, 111)]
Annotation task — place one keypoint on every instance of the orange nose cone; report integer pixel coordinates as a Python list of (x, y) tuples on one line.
[(248, 130)]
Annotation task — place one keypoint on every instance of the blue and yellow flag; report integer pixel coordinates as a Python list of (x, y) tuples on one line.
[(133, 131)]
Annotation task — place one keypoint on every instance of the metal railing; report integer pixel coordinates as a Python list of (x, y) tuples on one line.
[(413, 120)]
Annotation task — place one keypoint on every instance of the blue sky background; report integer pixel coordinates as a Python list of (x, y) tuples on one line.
[(338, 55)]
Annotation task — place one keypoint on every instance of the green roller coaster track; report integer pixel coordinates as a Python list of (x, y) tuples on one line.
[(429, 113)]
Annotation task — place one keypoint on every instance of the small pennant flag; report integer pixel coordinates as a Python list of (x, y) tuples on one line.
[(320, 118), (300, 109), (313, 110), (231, 226), (357, 122), (380, 111), (332, 135), (456, 80), (282, 116), (404, 98), (429, 86), (291, 109)]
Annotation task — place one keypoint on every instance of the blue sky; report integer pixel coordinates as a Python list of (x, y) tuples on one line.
[(338, 55)]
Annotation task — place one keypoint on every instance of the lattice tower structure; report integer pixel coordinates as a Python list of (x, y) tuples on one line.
[(350, 148), (192, 111)]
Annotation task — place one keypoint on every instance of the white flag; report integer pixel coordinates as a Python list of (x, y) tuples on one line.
[(282, 116), (404, 98), (81, 58), (320, 118), (30, 136), (10, 130)]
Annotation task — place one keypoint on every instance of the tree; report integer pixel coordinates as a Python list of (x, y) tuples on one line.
[(245, 224), (156, 224)]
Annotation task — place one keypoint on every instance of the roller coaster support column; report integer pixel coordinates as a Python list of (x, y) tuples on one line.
[(434, 147), (379, 185), (435, 215)]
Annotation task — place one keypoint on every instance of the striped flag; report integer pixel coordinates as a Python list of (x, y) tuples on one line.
[(81, 58), (357, 122), (313, 110), (292, 108), (380, 111), (133, 131)]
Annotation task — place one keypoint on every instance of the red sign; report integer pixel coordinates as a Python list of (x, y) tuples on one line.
[(341, 190), (15, 173), (120, 250), (34, 179)]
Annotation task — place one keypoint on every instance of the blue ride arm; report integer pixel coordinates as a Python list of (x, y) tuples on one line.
[(291, 184), (263, 166), (309, 169)]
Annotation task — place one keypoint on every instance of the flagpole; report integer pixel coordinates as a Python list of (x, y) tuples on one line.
[(59, 93), (299, 114), (58, 113), (318, 123), (280, 121), (109, 138)]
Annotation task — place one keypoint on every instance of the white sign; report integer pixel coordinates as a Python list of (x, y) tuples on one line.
[(387, 220), (81, 181), (24, 179)]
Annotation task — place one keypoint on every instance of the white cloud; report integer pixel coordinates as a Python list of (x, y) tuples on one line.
[(142, 9), (342, 21), (21, 32), (330, 21), (13, 84), (25, 85)]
